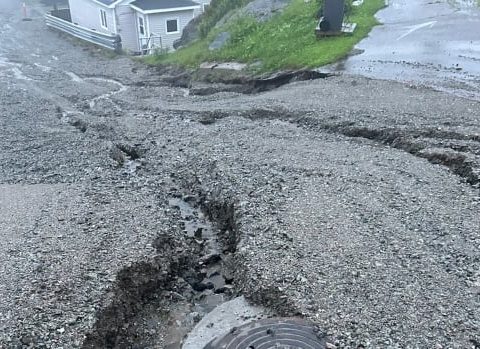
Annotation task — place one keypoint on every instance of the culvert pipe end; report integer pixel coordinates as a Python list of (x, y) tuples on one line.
[(285, 333)]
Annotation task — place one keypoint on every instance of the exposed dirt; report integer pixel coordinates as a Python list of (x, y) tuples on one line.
[(155, 303), (209, 81)]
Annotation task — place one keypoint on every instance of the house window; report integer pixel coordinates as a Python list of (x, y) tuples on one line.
[(103, 18), (172, 26), (141, 26)]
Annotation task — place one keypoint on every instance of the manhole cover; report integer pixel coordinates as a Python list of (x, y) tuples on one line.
[(271, 333)]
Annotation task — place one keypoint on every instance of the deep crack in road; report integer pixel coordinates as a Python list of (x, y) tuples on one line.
[(351, 202)]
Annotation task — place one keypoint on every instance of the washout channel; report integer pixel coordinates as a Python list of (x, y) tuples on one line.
[(156, 303), (159, 302), (326, 170)]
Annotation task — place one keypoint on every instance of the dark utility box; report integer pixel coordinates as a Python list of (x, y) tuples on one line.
[(332, 19)]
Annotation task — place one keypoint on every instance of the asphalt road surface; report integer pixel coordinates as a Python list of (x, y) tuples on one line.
[(348, 201), (431, 43)]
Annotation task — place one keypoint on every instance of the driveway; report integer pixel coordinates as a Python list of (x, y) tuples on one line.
[(423, 42)]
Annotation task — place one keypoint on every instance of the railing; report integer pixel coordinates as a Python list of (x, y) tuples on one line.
[(110, 41), (63, 13), (151, 44)]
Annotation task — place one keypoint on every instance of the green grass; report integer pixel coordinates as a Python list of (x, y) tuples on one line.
[(216, 11), (287, 41)]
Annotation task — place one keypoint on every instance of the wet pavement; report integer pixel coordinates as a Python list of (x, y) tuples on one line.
[(434, 43)]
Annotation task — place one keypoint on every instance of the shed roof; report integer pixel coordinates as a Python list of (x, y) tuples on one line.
[(162, 5), (108, 3)]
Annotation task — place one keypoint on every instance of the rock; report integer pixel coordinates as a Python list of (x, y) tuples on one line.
[(117, 155), (211, 259), (79, 124), (263, 10), (218, 282), (219, 41), (198, 233), (202, 286), (28, 340), (190, 33)]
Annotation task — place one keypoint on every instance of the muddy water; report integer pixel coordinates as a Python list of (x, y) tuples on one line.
[(211, 287)]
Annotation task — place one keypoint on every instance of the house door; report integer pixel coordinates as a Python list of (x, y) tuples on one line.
[(143, 34)]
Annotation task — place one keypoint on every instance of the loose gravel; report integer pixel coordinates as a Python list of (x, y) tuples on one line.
[(322, 193)]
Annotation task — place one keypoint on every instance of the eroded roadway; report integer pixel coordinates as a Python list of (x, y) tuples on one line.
[(356, 199)]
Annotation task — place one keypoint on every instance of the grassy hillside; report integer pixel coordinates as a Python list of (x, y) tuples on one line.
[(216, 11), (286, 41)]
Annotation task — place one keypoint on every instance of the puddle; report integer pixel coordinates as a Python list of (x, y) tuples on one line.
[(66, 116), (194, 222)]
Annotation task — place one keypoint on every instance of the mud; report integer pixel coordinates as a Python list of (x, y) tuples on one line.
[(205, 82)]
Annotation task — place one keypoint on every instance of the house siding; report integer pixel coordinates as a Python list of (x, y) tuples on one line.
[(127, 27), (199, 11), (86, 13), (157, 25)]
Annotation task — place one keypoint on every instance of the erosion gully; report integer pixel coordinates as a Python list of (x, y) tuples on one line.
[(189, 277), (187, 280)]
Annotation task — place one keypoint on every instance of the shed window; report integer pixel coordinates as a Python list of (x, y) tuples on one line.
[(103, 18), (141, 26), (172, 26)]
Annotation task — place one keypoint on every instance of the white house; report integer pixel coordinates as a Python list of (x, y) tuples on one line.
[(143, 25)]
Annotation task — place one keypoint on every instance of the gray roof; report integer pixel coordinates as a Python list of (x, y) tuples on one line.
[(107, 2), (151, 5)]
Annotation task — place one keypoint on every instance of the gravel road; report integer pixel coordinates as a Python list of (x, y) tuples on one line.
[(348, 201)]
